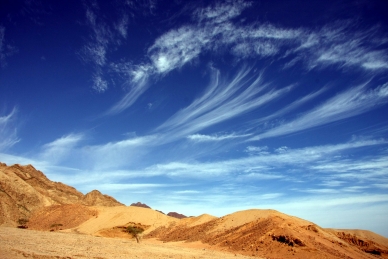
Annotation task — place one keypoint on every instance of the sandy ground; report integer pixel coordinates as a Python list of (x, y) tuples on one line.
[(18, 243)]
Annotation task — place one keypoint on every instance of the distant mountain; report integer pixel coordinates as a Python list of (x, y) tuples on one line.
[(176, 215), (23, 190), (139, 204)]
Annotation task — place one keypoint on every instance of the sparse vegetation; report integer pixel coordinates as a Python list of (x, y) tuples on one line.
[(22, 223), (135, 231), (56, 226)]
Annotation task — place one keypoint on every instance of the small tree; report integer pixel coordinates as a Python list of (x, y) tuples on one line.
[(135, 232)]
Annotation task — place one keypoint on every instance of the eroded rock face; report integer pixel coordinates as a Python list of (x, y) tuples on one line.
[(23, 190), (365, 245), (96, 198)]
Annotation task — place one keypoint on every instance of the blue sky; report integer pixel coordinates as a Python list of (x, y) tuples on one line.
[(204, 106)]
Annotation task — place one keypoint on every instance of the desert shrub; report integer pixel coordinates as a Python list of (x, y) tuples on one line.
[(22, 223), (56, 226)]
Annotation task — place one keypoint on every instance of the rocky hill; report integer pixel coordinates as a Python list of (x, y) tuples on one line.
[(272, 234), (23, 190)]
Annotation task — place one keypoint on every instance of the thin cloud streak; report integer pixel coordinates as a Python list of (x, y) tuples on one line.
[(221, 101), (291, 107), (8, 132), (139, 84), (352, 102), (214, 138), (60, 148), (337, 44), (256, 165)]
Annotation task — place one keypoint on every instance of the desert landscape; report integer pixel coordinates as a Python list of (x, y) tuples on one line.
[(40, 218)]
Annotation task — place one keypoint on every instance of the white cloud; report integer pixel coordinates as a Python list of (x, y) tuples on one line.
[(342, 45), (99, 84), (290, 107), (103, 36), (257, 150), (282, 149), (122, 26), (361, 169), (60, 148), (215, 137), (214, 29), (115, 155), (219, 13), (264, 166), (139, 84), (180, 46)]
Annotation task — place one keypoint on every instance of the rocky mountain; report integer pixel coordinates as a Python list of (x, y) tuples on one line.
[(23, 190), (139, 204), (176, 215)]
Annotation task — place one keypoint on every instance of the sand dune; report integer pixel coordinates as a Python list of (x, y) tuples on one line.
[(119, 216)]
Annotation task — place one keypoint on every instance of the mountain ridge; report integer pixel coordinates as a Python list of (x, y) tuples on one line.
[(27, 194), (24, 189)]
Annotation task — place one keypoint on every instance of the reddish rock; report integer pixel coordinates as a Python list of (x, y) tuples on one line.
[(176, 215)]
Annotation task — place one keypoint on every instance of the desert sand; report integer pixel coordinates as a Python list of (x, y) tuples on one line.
[(61, 222), (19, 243)]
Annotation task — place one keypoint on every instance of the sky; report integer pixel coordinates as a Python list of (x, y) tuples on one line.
[(203, 106)]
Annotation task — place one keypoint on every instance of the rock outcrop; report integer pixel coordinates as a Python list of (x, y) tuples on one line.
[(139, 204), (96, 198), (176, 215)]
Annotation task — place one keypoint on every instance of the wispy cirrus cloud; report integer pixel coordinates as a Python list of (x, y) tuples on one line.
[(8, 131), (103, 36), (60, 148), (265, 163), (338, 44), (139, 84), (222, 100), (220, 12), (215, 29), (349, 103), (6, 49), (290, 107), (361, 169)]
